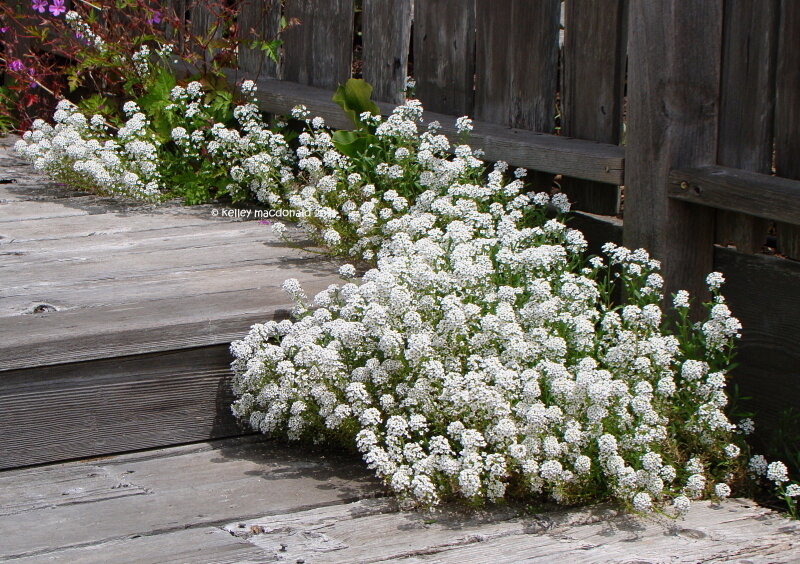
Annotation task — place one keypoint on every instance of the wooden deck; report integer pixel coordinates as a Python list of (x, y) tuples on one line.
[(115, 319), (248, 500)]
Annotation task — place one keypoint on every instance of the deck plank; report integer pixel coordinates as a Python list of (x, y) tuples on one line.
[(189, 488), (372, 531)]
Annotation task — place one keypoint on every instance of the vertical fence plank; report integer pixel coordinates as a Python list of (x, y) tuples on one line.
[(746, 107), (258, 19), (517, 63), (787, 114), (516, 66), (178, 7), (444, 55), (386, 32), (591, 104), (673, 107), (203, 25), (319, 51)]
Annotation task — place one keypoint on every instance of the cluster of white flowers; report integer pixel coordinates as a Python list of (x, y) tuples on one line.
[(347, 205), (481, 357), (134, 161), (72, 151), (83, 31)]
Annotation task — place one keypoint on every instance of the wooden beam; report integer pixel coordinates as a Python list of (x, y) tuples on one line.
[(751, 193), (520, 148)]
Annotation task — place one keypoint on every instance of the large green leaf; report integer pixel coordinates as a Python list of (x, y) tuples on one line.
[(354, 97)]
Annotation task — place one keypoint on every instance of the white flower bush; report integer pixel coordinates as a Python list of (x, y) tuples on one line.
[(346, 201), (73, 151), (197, 157), (482, 357)]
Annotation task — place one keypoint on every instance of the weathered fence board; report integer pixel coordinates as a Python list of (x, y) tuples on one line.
[(319, 51), (386, 33), (444, 55), (740, 191), (258, 19), (593, 75), (762, 292), (672, 123), (747, 96), (787, 114), (516, 73)]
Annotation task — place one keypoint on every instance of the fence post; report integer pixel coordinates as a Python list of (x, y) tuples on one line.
[(674, 55)]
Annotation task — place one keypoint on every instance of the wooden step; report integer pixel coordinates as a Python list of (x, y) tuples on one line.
[(115, 317)]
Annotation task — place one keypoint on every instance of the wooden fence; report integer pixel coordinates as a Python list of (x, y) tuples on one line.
[(681, 115)]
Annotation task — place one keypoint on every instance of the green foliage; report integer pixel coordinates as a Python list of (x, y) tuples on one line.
[(354, 97)]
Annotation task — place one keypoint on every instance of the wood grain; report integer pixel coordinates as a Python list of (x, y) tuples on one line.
[(516, 73), (106, 406), (386, 35), (673, 105), (537, 151), (593, 78), (371, 531), (787, 114), (738, 190), (258, 19), (189, 488), (444, 55), (747, 107), (319, 50), (762, 292)]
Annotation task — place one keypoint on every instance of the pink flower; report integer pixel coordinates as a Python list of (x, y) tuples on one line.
[(39, 5), (58, 7)]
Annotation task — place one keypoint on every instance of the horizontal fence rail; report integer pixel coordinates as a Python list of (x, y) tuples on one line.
[(736, 190)]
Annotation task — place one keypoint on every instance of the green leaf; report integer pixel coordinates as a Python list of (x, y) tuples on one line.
[(157, 97), (352, 143), (354, 97)]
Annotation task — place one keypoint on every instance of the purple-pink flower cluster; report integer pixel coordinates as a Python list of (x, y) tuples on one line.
[(56, 8)]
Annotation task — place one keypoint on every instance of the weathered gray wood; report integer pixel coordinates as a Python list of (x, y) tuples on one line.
[(673, 108), (746, 107), (209, 545), (444, 55), (593, 76), (147, 326), (386, 33), (787, 114), (319, 50), (58, 485), (763, 293), (737, 190), (189, 488), (204, 26), (258, 19), (106, 406), (528, 149), (372, 532), (517, 63), (516, 72)]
